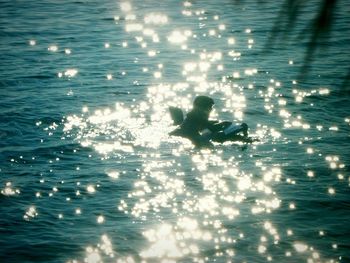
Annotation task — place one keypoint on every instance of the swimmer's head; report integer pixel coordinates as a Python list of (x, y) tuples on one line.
[(203, 103)]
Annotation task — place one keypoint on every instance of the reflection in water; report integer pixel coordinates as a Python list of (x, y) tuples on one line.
[(9, 190), (30, 213), (196, 205)]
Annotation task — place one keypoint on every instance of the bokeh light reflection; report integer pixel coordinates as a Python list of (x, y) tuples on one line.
[(195, 201)]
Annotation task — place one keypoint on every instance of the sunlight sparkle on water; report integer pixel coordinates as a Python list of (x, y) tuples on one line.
[(156, 19), (152, 53), (9, 191), (92, 256), (331, 191), (178, 37), (125, 6), (157, 74), (30, 213), (132, 27), (71, 73), (113, 174), (187, 200), (130, 17), (231, 41), (53, 48), (300, 247), (164, 244), (91, 189), (100, 219)]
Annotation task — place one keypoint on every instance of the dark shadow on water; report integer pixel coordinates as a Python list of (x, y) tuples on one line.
[(317, 33), (319, 28)]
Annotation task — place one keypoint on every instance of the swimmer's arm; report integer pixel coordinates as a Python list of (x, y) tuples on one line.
[(216, 126)]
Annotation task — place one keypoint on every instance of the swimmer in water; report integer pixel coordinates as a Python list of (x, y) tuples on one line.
[(202, 132)]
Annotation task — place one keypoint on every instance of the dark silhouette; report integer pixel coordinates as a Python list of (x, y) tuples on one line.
[(201, 131), (317, 32), (321, 28)]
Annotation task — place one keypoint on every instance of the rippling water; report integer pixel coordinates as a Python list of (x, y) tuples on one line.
[(89, 174)]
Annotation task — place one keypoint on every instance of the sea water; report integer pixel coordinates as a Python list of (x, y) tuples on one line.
[(89, 173)]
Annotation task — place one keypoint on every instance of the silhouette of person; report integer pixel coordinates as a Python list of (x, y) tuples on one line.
[(201, 131)]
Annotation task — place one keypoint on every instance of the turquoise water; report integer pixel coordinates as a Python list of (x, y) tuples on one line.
[(89, 174)]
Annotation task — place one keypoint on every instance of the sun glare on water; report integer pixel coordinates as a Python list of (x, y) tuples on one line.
[(195, 205)]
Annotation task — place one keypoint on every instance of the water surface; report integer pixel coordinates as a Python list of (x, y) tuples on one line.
[(89, 173)]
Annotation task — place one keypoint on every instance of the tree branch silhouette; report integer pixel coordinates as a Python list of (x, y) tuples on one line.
[(318, 31)]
